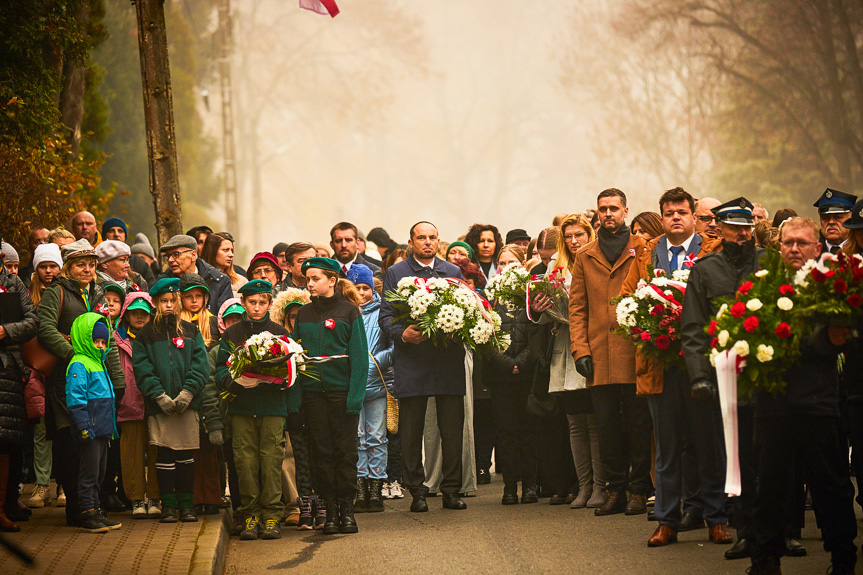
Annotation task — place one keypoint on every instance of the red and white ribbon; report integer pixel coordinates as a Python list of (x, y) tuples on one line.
[(726, 377)]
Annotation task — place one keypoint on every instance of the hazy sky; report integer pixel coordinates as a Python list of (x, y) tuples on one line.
[(474, 127)]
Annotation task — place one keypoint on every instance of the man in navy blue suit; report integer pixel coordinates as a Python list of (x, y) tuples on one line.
[(424, 370)]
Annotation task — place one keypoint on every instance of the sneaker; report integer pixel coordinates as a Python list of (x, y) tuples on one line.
[(272, 530), (320, 512), (306, 521), (91, 522), (108, 522), (154, 509), (139, 510), (251, 529), (396, 491), (169, 515), (385, 491), (61, 498), (39, 498)]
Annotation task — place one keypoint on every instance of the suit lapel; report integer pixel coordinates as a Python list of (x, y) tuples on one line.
[(628, 252), (660, 254), (595, 252)]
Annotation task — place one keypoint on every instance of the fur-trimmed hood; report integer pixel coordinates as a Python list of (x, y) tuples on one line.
[(289, 295)]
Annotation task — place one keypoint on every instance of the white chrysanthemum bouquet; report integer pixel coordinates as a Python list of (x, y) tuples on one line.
[(446, 309), (508, 287)]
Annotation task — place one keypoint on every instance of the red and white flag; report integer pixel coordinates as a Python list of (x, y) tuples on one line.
[(325, 7)]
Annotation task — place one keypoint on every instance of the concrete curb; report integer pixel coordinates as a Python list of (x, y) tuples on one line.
[(211, 546)]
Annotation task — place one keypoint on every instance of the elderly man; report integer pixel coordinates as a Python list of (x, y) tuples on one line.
[(679, 420), (803, 424), (113, 267), (181, 254), (607, 360), (705, 219), (834, 207), (343, 240), (424, 370), (759, 213), (715, 276), (84, 226)]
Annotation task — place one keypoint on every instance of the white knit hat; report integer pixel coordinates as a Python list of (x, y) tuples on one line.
[(49, 252)]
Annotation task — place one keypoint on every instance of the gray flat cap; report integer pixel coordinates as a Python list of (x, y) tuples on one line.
[(180, 241)]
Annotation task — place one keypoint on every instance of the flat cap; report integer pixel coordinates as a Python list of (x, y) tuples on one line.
[(112, 249), (180, 241)]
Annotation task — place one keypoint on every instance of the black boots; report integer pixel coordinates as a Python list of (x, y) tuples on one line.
[(375, 497), (362, 501), (331, 527), (510, 494), (347, 523)]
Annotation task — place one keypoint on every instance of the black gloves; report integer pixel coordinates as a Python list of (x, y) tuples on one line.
[(704, 389), (584, 366)]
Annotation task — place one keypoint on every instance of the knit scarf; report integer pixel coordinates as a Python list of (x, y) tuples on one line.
[(613, 243), (126, 284)]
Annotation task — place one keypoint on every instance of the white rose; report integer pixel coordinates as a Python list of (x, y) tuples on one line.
[(742, 348), (722, 338), (761, 273), (764, 353), (713, 354), (784, 303), (754, 304), (722, 310)]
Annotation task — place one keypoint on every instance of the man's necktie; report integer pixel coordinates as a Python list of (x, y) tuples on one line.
[(834, 250), (675, 254)]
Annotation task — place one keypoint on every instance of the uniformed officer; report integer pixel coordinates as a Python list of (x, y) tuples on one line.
[(834, 207), (714, 276)]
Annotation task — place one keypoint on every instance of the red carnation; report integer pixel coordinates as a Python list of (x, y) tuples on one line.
[(738, 309), (179, 342), (663, 342), (839, 286), (750, 323), (855, 300), (745, 287), (817, 275), (645, 336), (636, 330), (712, 329), (783, 330), (713, 342), (657, 309), (786, 289)]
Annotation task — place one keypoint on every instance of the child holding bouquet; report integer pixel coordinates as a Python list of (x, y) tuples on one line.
[(258, 416), (333, 325)]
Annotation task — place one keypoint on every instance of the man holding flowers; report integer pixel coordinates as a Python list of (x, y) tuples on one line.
[(803, 422), (678, 419)]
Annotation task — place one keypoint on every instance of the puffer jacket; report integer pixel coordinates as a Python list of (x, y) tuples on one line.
[(55, 324), (132, 404), (163, 367), (499, 365), (13, 414), (218, 283), (381, 350), (89, 393)]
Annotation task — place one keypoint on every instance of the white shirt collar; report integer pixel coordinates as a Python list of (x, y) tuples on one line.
[(430, 266)]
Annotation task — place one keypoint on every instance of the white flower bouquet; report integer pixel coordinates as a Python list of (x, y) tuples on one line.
[(446, 309), (508, 287)]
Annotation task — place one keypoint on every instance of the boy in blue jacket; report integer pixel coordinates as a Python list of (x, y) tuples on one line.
[(90, 399)]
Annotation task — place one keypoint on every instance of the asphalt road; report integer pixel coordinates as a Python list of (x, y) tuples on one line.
[(491, 538)]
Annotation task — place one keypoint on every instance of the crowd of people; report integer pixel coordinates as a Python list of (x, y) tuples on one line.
[(115, 380)]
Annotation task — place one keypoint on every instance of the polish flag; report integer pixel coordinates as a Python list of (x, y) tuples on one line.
[(325, 7)]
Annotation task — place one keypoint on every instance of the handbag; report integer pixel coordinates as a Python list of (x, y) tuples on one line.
[(392, 403), (35, 355), (540, 402)]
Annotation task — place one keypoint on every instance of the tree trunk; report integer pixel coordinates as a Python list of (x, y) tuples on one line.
[(159, 118)]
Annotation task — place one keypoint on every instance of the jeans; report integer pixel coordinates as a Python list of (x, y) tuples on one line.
[(92, 459), (372, 449)]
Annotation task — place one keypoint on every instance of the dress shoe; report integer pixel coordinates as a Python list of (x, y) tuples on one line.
[(793, 548), (528, 494), (636, 505), (664, 535), (615, 502), (719, 534), (452, 502), (419, 504), (483, 477), (510, 494), (691, 521), (740, 550), (765, 566)]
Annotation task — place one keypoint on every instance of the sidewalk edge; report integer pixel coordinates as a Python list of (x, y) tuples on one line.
[(211, 546)]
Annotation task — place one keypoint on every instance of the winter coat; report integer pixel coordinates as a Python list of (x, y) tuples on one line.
[(211, 403), (562, 373), (592, 317), (34, 394), (13, 413), (218, 283), (381, 350), (89, 393), (334, 326), (421, 369), (162, 367), (54, 324), (649, 374), (499, 365), (265, 399)]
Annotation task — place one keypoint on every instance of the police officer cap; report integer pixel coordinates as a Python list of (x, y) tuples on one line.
[(835, 202), (737, 212)]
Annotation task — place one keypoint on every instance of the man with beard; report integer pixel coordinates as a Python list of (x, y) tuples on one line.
[(343, 240), (834, 207)]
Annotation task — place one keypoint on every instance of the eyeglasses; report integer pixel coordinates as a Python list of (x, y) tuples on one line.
[(802, 245), (176, 255), (579, 236), (706, 219), (260, 272)]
